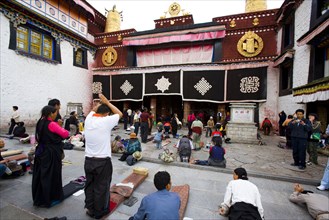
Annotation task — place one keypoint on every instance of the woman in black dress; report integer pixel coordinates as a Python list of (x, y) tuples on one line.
[(47, 187)]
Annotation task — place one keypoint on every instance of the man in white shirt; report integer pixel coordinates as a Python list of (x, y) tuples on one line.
[(98, 165), (13, 120)]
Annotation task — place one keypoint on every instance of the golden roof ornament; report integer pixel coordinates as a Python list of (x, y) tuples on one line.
[(255, 5), (113, 20), (174, 10)]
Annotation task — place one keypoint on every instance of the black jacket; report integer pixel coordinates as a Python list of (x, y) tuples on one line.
[(300, 131)]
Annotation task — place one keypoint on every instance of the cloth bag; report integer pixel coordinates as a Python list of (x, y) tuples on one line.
[(166, 156)]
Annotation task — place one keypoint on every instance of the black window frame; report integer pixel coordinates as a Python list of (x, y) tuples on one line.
[(286, 72), (288, 33), (84, 58)]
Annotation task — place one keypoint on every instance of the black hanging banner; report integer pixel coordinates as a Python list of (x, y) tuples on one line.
[(101, 84), (162, 83), (207, 85), (247, 84), (127, 87)]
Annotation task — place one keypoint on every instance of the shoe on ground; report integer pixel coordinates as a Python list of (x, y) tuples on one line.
[(102, 215), (90, 214), (321, 188), (301, 167), (309, 163)]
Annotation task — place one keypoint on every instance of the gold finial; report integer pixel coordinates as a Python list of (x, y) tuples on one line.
[(232, 23), (113, 20), (255, 22), (255, 5)]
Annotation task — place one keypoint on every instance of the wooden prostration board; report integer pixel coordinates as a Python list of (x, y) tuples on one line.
[(116, 199), (183, 192), (15, 157)]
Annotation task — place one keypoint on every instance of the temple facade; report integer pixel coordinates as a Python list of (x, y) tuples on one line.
[(182, 67)]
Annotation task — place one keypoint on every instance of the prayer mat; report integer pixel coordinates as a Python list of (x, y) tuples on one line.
[(15, 157), (131, 201), (11, 152), (183, 192), (165, 143), (73, 187), (116, 199)]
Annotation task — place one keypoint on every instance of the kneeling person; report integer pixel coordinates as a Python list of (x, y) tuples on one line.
[(184, 147), (161, 204)]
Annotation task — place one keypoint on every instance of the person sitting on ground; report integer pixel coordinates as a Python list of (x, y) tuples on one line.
[(317, 204), (167, 128), (158, 136), (197, 128), (242, 198), (133, 146), (216, 154), (73, 123), (20, 131), (217, 131), (266, 126), (117, 146), (184, 148), (162, 204)]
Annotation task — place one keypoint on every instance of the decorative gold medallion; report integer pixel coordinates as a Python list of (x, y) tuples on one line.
[(250, 44), (109, 56), (104, 40), (255, 22), (232, 24), (119, 37), (174, 9)]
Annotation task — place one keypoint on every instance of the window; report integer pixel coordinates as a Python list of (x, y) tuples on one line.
[(288, 34), (286, 71), (34, 42), (80, 58)]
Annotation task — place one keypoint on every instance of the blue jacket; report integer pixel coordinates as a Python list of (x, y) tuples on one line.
[(133, 146), (300, 131), (159, 205)]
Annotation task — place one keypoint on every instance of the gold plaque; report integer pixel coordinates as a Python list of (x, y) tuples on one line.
[(255, 22), (250, 44), (109, 56), (232, 24), (174, 9)]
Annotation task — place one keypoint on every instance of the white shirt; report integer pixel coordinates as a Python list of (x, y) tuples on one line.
[(98, 135), (243, 191), (15, 116)]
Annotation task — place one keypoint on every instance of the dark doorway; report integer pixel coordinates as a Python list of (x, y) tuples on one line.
[(206, 108), (166, 105)]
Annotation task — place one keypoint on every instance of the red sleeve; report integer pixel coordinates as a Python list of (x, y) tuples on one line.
[(55, 128), (224, 150), (210, 150)]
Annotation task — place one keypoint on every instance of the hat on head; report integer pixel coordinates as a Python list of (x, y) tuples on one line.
[(211, 117), (133, 136), (137, 155)]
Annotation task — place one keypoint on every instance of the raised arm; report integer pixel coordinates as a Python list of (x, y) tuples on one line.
[(114, 109)]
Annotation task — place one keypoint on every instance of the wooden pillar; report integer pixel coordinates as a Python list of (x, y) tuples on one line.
[(153, 106), (187, 109), (221, 109)]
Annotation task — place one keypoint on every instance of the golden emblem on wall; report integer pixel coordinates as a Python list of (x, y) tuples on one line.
[(250, 44), (174, 9), (109, 56), (255, 22), (232, 24)]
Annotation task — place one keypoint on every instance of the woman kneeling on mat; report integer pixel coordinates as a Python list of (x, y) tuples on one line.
[(47, 171), (242, 198)]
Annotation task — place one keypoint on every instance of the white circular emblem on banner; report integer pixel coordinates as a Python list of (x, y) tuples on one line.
[(163, 84)]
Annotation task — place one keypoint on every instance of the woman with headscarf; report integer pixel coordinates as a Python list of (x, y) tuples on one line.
[(47, 189), (242, 198), (315, 138)]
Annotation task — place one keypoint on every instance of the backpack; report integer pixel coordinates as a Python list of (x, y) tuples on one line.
[(184, 147)]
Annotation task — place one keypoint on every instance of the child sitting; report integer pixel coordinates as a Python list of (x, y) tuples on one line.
[(117, 146), (158, 136)]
